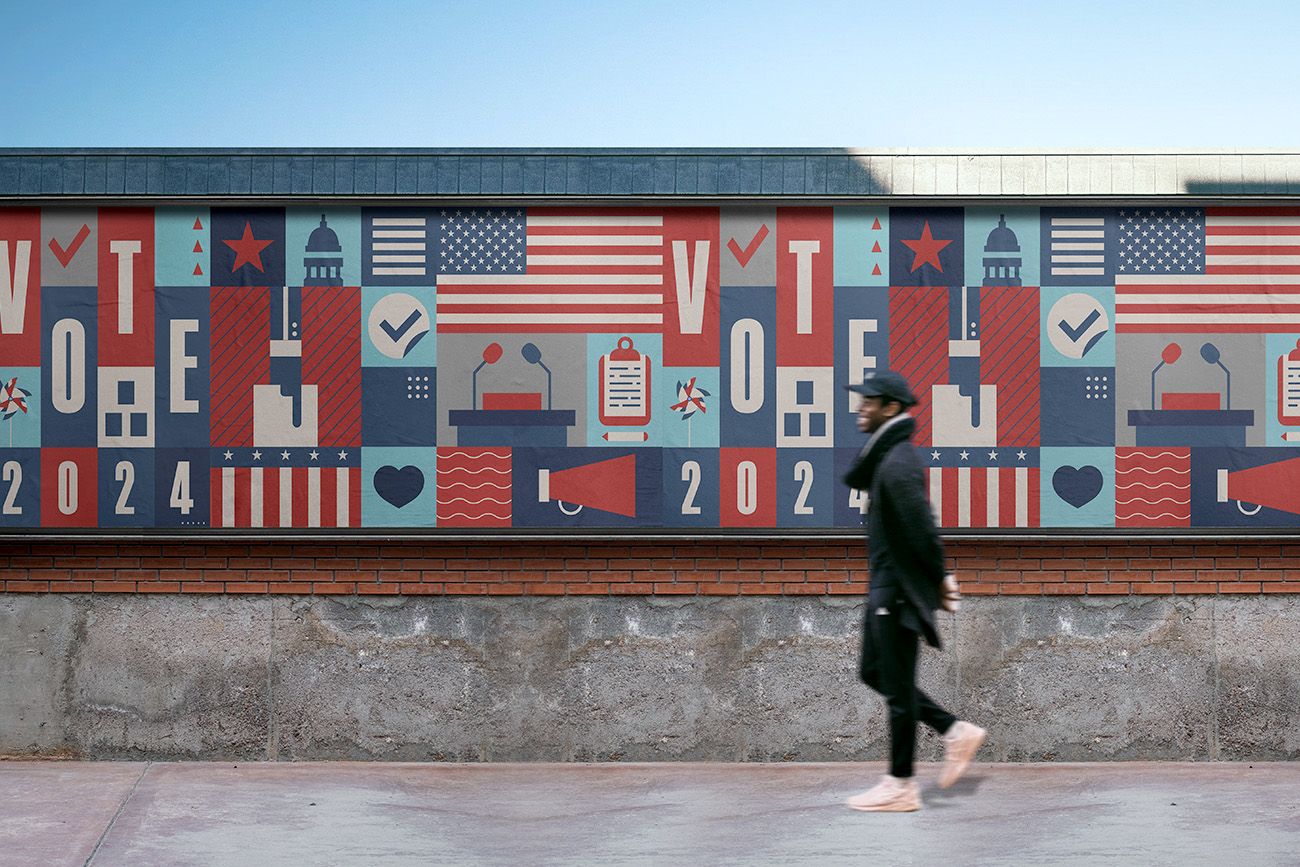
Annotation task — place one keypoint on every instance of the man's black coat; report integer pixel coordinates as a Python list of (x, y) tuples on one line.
[(903, 545)]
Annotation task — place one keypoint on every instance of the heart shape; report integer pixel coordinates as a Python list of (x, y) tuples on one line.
[(1077, 486), (399, 487)]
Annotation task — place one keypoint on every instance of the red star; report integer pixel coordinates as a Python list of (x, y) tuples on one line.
[(926, 249), (249, 250)]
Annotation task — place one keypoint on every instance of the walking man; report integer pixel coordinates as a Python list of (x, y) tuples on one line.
[(907, 584)]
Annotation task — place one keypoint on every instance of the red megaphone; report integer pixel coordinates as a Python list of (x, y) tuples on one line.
[(606, 485)]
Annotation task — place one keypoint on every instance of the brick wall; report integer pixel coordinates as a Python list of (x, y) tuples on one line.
[(549, 568)]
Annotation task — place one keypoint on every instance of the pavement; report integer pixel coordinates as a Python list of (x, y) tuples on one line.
[(158, 814)]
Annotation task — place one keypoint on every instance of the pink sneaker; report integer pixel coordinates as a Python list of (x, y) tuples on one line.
[(961, 742), (890, 795)]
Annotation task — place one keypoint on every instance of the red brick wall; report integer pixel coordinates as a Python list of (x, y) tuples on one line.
[(550, 568)]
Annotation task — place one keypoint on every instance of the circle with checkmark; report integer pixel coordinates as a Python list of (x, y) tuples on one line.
[(397, 323), (1076, 323)]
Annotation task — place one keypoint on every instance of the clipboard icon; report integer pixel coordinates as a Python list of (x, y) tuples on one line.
[(1288, 387), (624, 385)]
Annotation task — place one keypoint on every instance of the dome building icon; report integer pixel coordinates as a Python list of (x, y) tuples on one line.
[(324, 259), (1002, 256)]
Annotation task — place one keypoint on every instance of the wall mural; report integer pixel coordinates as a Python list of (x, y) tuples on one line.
[(526, 367)]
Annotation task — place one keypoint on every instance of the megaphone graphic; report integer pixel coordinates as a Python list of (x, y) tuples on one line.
[(1274, 485), (606, 485)]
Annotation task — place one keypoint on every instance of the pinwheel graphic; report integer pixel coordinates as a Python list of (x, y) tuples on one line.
[(690, 397), (12, 399)]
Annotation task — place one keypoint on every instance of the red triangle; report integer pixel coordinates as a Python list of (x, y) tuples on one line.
[(198, 246), (875, 272), (198, 270), (198, 224), (875, 249), (876, 225)]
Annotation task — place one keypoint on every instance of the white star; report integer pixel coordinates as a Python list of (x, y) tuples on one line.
[(934, 456), (343, 456), (964, 454), (284, 455), (257, 456), (314, 454), (228, 454), (1020, 455), (993, 456)]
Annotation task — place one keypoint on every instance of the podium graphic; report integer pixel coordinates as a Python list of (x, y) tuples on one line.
[(511, 418), (1191, 418)]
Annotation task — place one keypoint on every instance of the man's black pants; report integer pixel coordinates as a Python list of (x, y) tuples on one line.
[(889, 667)]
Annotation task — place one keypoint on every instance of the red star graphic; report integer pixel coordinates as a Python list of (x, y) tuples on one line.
[(925, 247), (248, 250)]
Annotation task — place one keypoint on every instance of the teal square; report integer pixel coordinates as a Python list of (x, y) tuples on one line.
[(398, 327), (1067, 479), (1070, 326), (399, 487), (625, 435), (855, 241), (177, 232), (700, 430), (300, 223), (20, 429), (989, 231)]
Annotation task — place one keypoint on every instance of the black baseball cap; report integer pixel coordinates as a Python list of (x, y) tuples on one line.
[(886, 384)]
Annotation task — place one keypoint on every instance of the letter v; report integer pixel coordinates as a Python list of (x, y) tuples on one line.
[(13, 296), (691, 284)]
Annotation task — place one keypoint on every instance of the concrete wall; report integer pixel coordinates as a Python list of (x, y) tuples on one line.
[(1205, 677)]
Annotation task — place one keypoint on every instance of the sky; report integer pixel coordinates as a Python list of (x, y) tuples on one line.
[(999, 76)]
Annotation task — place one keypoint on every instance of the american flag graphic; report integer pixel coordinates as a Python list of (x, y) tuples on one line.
[(583, 271), (1248, 280), (286, 496)]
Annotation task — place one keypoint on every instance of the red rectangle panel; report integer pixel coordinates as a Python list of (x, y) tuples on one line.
[(20, 287), (126, 287), (805, 287)]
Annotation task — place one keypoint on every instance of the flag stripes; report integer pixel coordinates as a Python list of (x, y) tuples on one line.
[(286, 496)]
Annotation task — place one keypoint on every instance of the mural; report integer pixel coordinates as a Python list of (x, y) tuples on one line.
[(471, 368)]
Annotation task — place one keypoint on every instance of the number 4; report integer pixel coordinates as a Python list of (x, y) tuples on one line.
[(181, 498)]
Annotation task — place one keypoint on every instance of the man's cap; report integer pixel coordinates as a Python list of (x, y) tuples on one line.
[(886, 384)]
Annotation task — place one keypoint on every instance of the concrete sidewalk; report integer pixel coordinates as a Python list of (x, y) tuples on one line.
[(340, 813)]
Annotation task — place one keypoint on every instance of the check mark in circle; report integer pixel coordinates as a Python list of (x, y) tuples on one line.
[(1076, 323), (397, 323)]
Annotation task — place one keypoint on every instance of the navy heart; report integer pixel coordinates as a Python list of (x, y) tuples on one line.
[(1077, 486), (399, 487)]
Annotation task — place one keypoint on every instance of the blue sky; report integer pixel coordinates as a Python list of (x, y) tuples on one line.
[(821, 73)]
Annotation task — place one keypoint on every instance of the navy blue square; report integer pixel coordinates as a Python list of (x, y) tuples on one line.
[(399, 406), (139, 424), (817, 424), (113, 424), (793, 424), (803, 392), (1078, 406), (125, 392)]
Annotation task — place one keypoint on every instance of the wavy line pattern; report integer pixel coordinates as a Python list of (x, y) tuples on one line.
[(1166, 474), (458, 472)]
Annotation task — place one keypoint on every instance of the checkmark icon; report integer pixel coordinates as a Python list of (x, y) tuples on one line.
[(1074, 333), (743, 256), (397, 333), (65, 256)]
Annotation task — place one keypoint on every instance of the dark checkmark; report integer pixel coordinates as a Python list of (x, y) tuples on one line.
[(1076, 333), (396, 333)]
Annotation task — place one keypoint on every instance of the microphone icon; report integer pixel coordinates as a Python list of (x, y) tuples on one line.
[(1210, 353), (1171, 353), (490, 356), (533, 355)]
